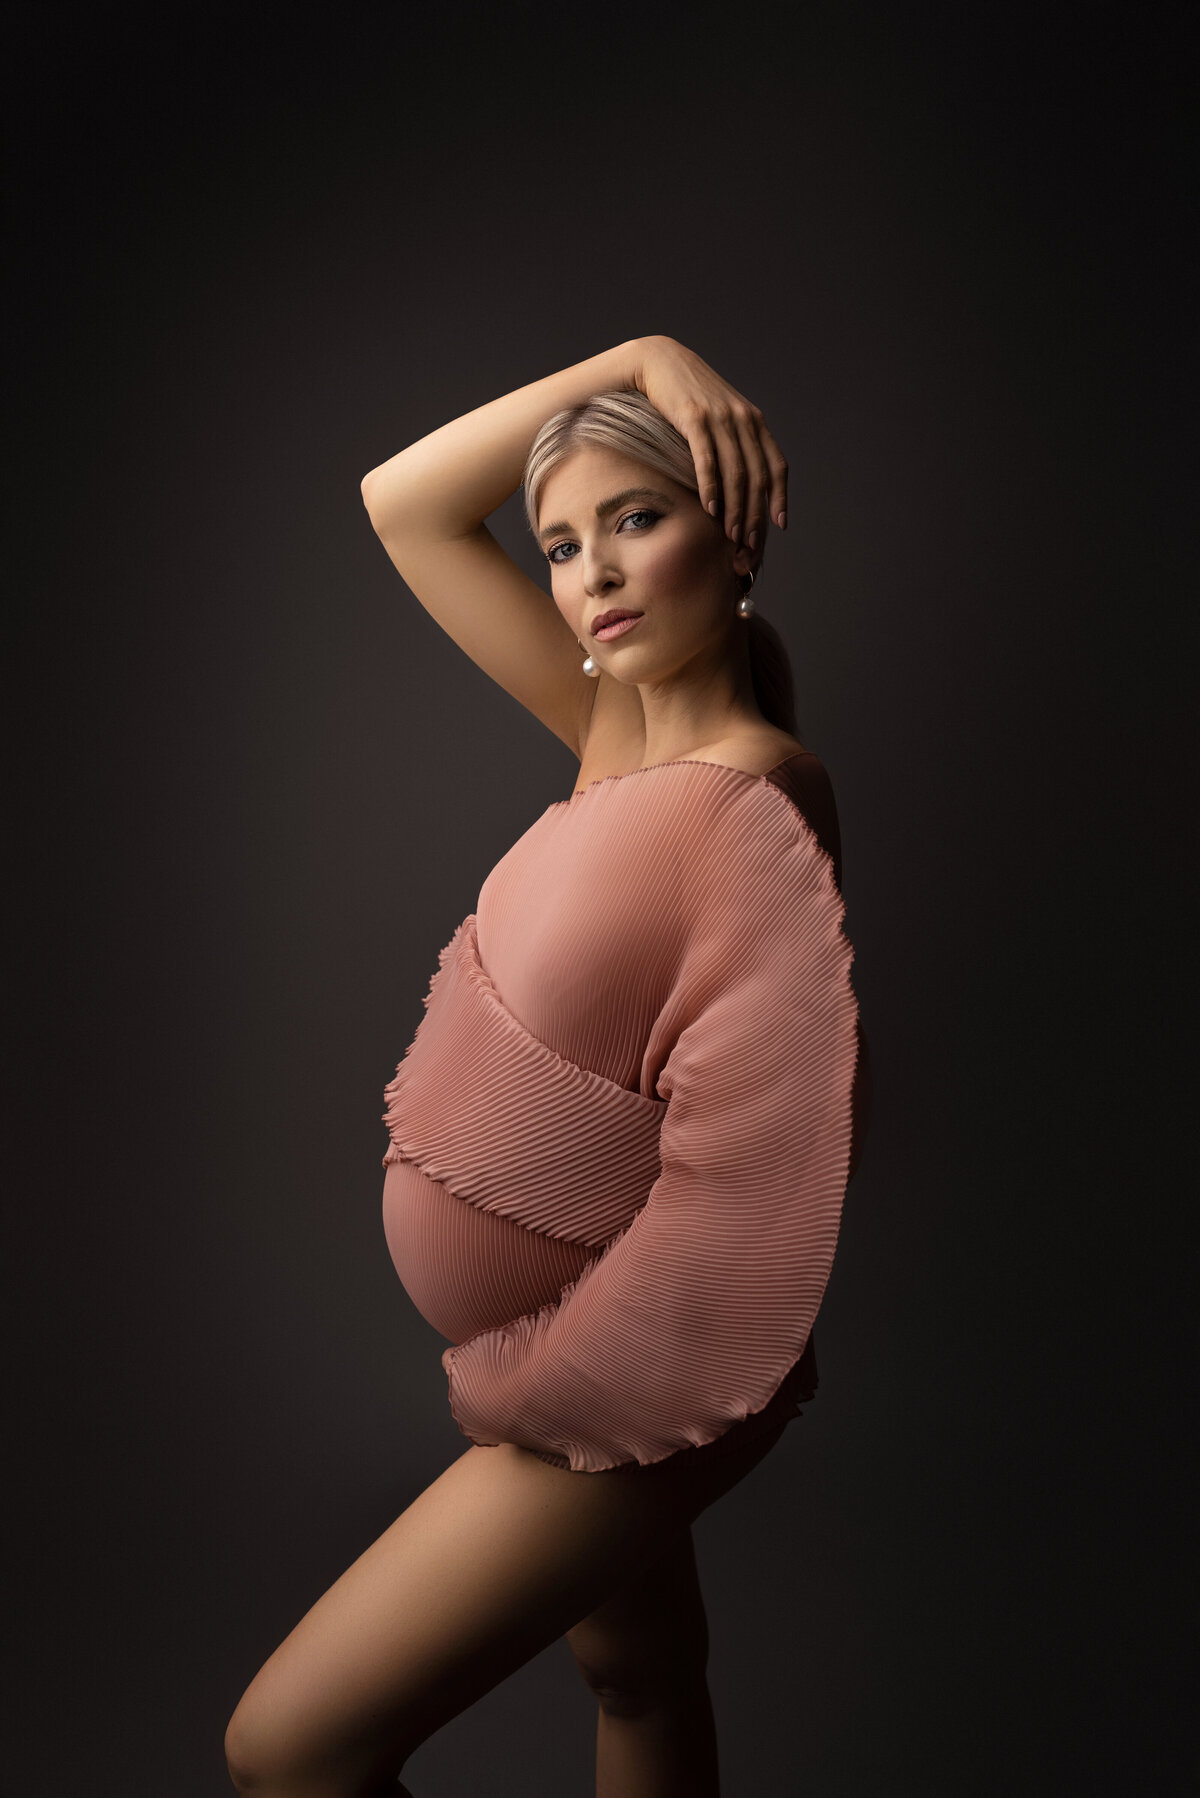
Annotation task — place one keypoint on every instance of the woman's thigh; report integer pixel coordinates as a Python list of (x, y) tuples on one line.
[(494, 1561)]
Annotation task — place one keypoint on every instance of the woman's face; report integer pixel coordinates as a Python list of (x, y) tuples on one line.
[(619, 535)]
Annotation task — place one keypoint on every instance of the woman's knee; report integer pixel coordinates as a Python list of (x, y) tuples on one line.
[(635, 1687), (250, 1758), (648, 1643), (273, 1751), (257, 1759), (634, 1684), (261, 1759)]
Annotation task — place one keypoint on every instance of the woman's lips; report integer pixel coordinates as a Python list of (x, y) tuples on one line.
[(618, 629)]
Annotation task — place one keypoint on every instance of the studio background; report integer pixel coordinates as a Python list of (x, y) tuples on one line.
[(253, 788)]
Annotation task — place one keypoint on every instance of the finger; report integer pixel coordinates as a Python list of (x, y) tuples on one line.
[(757, 484), (733, 473), (708, 482), (777, 463)]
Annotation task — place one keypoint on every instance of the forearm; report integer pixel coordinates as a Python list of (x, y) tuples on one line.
[(447, 483)]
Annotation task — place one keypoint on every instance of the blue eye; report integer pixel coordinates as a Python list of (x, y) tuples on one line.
[(642, 512)]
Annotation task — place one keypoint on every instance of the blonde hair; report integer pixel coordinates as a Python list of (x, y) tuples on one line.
[(623, 419)]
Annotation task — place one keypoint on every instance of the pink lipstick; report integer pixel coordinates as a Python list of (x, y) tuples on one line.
[(618, 629)]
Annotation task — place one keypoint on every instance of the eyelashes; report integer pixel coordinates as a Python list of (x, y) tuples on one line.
[(641, 512)]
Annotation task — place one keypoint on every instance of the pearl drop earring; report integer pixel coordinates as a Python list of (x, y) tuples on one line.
[(590, 666)]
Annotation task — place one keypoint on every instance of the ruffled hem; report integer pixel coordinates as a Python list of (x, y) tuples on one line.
[(798, 1387), (391, 1091)]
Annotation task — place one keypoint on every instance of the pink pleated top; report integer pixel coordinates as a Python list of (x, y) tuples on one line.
[(621, 1137)]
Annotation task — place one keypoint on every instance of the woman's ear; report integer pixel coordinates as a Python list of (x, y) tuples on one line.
[(746, 561)]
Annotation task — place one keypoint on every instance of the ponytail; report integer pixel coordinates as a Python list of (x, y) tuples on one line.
[(771, 670)]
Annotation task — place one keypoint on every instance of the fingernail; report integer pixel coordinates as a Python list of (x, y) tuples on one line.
[(782, 520), (753, 539), (712, 506)]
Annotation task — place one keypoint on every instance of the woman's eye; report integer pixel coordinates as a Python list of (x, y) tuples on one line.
[(642, 512)]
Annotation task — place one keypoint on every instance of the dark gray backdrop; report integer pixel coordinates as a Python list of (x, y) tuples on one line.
[(255, 787)]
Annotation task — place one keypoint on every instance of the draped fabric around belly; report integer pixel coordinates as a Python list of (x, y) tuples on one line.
[(521, 1156), (468, 1271)]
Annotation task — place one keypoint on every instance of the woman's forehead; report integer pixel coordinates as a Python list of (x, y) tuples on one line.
[(583, 480)]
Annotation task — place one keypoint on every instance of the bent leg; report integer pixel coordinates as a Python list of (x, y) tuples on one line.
[(498, 1558), (495, 1560)]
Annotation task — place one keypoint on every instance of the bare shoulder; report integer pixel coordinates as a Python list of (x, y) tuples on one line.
[(758, 752), (753, 751)]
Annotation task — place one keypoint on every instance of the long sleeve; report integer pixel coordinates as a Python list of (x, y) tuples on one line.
[(689, 1319)]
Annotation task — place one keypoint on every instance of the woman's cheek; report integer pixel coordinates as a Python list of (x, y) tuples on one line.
[(678, 567)]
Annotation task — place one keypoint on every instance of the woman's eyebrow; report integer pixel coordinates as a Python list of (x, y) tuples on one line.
[(608, 505)]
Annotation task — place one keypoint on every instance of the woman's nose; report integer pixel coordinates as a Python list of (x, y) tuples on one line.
[(599, 571)]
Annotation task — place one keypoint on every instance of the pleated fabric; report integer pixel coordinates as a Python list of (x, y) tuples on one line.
[(621, 1136)]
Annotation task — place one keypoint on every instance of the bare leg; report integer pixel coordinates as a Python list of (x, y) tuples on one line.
[(669, 1752), (494, 1561), (644, 1653)]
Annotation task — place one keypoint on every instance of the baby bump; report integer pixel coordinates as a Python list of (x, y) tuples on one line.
[(465, 1269)]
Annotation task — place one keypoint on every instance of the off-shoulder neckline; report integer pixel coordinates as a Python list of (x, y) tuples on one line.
[(682, 761)]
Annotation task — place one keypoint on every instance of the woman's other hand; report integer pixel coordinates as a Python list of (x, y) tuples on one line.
[(738, 462)]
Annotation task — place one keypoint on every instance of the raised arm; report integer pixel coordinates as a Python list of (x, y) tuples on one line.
[(427, 505), (446, 484)]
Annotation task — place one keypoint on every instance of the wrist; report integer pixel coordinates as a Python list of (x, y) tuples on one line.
[(640, 349), (621, 366)]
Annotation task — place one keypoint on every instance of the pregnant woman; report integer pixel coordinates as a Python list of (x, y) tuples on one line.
[(620, 1139)]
